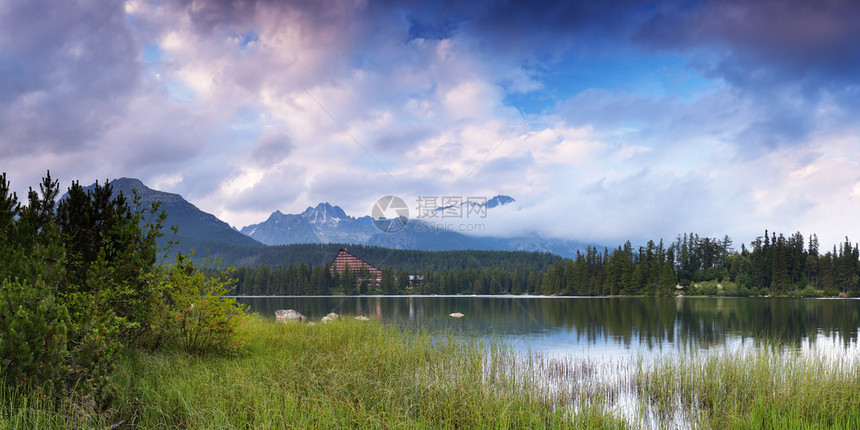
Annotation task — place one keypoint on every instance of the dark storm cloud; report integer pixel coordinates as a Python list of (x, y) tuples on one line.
[(754, 42), (766, 42), (66, 67), (750, 43), (547, 24), (526, 29), (531, 31)]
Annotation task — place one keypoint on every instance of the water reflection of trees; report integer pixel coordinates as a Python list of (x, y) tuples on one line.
[(632, 322)]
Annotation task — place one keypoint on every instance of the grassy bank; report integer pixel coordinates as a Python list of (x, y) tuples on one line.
[(352, 374), (343, 374)]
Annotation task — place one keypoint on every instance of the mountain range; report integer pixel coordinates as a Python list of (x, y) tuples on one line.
[(325, 223), (198, 230)]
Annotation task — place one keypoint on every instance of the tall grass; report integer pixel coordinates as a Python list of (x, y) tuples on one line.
[(351, 374), (26, 409), (338, 375), (347, 374), (763, 387)]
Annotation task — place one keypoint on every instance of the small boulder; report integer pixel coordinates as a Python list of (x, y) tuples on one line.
[(457, 315), (362, 318), (282, 315)]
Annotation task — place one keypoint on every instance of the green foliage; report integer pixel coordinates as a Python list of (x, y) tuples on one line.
[(775, 265), (705, 288), (81, 284), (807, 291), (33, 335), (190, 314), (730, 289), (111, 250), (667, 280), (411, 260), (94, 350), (301, 279)]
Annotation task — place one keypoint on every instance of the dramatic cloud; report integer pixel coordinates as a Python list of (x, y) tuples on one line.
[(760, 42), (67, 71), (607, 121)]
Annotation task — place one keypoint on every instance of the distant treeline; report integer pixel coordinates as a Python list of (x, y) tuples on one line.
[(315, 254), (302, 279), (431, 272), (772, 265)]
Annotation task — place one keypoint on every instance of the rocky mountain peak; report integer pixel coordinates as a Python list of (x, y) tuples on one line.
[(324, 213)]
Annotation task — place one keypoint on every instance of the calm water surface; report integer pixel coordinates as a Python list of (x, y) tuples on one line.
[(606, 327)]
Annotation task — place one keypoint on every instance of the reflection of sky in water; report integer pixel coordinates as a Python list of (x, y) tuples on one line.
[(607, 328), (567, 343)]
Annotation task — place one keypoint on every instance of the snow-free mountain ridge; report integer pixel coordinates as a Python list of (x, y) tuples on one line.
[(198, 230)]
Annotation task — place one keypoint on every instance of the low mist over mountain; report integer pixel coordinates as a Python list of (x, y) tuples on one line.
[(325, 223), (330, 224)]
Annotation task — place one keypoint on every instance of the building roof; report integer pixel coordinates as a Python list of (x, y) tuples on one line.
[(344, 260)]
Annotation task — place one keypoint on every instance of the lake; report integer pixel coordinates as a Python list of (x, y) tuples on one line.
[(605, 327)]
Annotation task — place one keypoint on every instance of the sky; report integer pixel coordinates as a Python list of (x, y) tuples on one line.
[(607, 121)]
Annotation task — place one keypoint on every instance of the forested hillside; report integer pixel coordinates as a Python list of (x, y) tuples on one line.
[(303, 269), (772, 265), (319, 254)]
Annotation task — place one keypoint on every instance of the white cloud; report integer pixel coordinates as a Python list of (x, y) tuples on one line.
[(244, 129)]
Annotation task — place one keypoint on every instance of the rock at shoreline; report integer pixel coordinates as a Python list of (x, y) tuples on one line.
[(362, 318), (457, 315), (330, 317), (282, 315)]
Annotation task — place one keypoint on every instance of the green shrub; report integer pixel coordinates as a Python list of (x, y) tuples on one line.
[(704, 288), (111, 250), (190, 314), (94, 348), (807, 291), (33, 335), (731, 289)]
